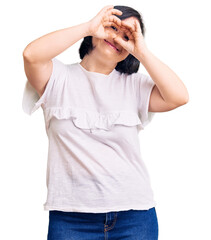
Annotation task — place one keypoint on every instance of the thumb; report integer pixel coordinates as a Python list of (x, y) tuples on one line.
[(120, 41), (110, 34)]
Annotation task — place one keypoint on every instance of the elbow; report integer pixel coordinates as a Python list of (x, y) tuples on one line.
[(26, 54), (181, 101), (185, 100), (186, 97)]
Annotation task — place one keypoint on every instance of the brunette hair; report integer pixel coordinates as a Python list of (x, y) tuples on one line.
[(130, 64)]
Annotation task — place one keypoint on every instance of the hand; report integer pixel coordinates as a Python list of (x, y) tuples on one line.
[(135, 44), (99, 26)]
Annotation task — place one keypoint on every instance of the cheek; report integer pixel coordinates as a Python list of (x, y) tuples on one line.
[(125, 53), (95, 41)]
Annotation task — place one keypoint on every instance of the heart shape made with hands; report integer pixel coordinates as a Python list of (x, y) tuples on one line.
[(132, 29)]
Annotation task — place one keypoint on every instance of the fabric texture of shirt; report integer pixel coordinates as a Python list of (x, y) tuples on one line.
[(92, 121)]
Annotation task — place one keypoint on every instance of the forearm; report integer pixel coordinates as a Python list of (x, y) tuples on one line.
[(54, 43), (169, 84)]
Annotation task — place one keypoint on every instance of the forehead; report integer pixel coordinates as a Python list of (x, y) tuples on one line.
[(130, 20)]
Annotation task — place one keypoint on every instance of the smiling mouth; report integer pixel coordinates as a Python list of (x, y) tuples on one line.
[(111, 45)]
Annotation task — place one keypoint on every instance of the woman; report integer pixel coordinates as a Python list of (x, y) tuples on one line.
[(98, 185)]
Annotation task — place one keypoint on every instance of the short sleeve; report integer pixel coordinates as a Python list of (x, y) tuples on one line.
[(31, 100), (145, 85)]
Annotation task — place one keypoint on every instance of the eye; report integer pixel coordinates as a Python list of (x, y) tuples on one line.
[(127, 38), (114, 28)]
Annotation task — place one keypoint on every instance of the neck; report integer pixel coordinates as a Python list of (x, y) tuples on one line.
[(93, 64)]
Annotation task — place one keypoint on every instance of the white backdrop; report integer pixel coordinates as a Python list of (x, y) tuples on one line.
[(175, 145)]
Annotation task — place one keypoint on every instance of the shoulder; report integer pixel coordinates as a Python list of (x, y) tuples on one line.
[(60, 65), (143, 79)]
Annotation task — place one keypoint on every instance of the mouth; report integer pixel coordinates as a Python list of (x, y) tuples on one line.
[(111, 45)]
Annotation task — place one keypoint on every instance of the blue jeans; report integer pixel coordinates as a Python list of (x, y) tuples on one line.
[(127, 225)]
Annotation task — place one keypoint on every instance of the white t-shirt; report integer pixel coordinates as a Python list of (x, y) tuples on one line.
[(92, 122)]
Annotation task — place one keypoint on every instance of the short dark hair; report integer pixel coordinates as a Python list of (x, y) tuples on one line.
[(130, 64)]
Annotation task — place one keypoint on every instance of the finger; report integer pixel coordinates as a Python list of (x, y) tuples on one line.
[(111, 18), (107, 8), (120, 41), (111, 34), (115, 11), (104, 10), (138, 27), (112, 21), (109, 24), (129, 26), (127, 32), (115, 19)]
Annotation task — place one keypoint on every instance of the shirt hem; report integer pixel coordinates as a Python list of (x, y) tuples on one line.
[(76, 209)]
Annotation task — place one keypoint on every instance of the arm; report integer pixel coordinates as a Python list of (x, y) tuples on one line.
[(169, 91), (168, 86), (38, 54), (52, 44)]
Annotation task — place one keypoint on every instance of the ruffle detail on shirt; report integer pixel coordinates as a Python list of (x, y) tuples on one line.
[(31, 100), (86, 119)]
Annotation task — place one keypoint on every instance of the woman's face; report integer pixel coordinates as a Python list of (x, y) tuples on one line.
[(115, 53)]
